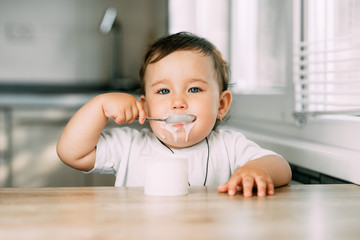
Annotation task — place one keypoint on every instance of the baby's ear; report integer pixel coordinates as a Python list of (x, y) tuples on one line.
[(143, 103), (224, 103)]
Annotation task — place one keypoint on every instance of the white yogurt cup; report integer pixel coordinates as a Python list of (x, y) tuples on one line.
[(166, 175)]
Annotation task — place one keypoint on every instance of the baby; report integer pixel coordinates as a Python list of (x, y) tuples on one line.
[(181, 74)]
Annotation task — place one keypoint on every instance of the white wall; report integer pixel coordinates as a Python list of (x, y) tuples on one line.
[(327, 145), (51, 41)]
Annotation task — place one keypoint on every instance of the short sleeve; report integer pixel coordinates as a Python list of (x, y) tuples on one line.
[(243, 149), (112, 148)]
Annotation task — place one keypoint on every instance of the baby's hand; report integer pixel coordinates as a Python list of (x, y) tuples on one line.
[(123, 108), (245, 179)]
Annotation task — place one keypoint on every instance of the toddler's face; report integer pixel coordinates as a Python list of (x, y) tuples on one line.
[(184, 82)]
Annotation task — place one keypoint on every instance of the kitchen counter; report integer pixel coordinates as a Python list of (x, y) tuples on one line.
[(30, 125), (294, 212), (72, 100)]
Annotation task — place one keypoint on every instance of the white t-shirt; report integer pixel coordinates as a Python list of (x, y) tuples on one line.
[(119, 152)]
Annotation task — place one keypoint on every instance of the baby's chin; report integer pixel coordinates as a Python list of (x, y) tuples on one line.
[(178, 144), (180, 141), (175, 136)]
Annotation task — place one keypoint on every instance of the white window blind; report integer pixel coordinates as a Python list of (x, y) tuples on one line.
[(327, 59)]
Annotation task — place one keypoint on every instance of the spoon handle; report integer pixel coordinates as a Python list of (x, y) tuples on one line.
[(152, 119), (155, 119)]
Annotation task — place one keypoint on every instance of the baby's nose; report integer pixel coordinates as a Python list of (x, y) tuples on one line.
[(179, 102)]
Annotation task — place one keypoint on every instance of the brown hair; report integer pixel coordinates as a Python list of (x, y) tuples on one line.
[(185, 41)]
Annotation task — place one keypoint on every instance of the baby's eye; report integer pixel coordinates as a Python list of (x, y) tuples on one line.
[(194, 90), (164, 91)]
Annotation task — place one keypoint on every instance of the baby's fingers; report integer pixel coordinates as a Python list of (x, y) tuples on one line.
[(248, 184), (223, 188), (261, 185), (233, 184), (270, 187), (130, 114), (264, 185), (141, 113)]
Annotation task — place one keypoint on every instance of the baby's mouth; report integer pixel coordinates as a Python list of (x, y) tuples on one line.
[(179, 125), (182, 124)]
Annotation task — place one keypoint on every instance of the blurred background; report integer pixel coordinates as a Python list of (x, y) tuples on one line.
[(295, 76)]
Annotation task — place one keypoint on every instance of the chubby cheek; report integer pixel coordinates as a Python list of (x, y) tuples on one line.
[(204, 126), (157, 109), (206, 119), (207, 115)]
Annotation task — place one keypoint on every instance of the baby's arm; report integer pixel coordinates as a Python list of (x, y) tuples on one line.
[(77, 144), (264, 173)]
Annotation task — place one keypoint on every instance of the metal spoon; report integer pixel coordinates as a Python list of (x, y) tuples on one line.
[(181, 118)]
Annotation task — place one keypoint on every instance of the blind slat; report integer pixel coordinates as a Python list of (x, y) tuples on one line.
[(305, 72), (327, 103), (345, 38), (307, 62), (352, 111), (329, 93), (300, 52), (325, 82)]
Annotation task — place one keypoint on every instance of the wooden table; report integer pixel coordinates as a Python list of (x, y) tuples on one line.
[(294, 212)]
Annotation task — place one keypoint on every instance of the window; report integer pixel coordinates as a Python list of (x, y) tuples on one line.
[(296, 69), (327, 58), (255, 36), (320, 76), (249, 33), (259, 43)]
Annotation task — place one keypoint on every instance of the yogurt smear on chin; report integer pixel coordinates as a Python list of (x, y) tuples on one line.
[(173, 129)]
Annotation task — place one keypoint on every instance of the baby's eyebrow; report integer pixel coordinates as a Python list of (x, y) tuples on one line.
[(197, 80), (166, 81), (157, 82)]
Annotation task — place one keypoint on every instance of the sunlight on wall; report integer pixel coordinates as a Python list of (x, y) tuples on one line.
[(206, 18)]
